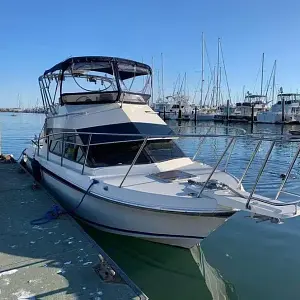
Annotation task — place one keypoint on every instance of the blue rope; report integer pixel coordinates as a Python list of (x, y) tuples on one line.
[(50, 215), (56, 211)]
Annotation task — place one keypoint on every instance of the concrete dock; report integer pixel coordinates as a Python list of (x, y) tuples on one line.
[(57, 260)]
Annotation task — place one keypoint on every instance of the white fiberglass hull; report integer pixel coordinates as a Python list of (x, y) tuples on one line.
[(177, 229), (205, 117)]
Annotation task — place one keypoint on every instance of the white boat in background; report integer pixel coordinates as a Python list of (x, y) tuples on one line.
[(206, 113), (179, 108), (252, 105), (162, 108), (116, 165), (286, 110)]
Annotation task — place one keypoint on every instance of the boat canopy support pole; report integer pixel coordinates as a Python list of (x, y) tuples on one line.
[(134, 160), (216, 166), (260, 173)]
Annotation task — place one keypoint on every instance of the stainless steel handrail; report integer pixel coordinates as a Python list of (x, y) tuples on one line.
[(62, 149), (259, 174), (87, 153), (200, 144), (250, 162), (215, 167), (48, 146), (288, 173), (134, 160), (290, 193), (229, 155), (145, 138), (277, 138)]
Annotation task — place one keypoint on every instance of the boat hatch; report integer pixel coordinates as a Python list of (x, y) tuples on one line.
[(169, 176)]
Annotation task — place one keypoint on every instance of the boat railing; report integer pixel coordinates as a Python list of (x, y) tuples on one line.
[(232, 139)]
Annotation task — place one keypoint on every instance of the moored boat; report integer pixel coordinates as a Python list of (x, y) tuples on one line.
[(115, 164)]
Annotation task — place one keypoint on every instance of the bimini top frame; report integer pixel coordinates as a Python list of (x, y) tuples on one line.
[(110, 71)]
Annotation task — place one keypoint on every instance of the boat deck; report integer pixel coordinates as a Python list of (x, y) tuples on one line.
[(57, 260)]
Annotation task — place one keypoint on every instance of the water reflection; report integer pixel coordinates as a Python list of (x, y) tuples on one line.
[(165, 272), (219, 288), (252, 255)]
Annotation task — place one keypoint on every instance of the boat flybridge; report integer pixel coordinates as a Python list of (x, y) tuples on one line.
[(115, 164)]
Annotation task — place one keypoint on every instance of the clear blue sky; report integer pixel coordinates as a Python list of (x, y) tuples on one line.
[(37, 34)]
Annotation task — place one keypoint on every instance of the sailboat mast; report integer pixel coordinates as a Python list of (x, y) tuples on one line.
[(219, 97), (262, 73), (214, 88), (158, 86), (184, 92), (218, 67), (202, 71), (162, 77), (274, 75), (152, 80)]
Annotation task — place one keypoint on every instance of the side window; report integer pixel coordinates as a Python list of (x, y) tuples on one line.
[(55, 144), (80, 156)]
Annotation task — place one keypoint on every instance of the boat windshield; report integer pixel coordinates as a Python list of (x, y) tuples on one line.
[(90, 80), (123, 153)]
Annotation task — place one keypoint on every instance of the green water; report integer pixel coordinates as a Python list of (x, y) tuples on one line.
[(241, 260)]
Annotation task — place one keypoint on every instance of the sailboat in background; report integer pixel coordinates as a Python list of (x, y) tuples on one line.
[(161, 106), (252, 105), (212, 103), (181, 108)]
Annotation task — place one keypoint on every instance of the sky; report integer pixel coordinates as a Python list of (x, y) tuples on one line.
[(34, 35)]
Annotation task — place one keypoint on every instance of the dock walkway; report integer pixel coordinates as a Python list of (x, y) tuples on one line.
[(57, 260)]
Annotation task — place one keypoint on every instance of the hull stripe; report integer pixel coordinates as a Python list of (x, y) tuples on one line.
[(152, 234), (217, 215)]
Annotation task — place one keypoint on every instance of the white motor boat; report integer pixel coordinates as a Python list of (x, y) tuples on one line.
[(162, 108), (116, 165), (287, 104), (180, 109), (253, 104)]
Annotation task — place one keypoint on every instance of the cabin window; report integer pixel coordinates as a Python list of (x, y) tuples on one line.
[(69, 145), (123, 153)]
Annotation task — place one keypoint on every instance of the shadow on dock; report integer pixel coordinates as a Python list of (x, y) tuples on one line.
[(56, 260)]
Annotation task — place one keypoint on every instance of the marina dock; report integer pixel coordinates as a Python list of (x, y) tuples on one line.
[(56, 260)]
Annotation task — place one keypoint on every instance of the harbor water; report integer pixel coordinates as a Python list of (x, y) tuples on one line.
[(243, 259)]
